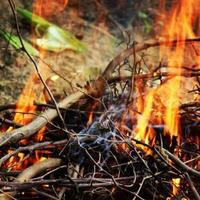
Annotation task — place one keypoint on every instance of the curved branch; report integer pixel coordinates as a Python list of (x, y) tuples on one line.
[(140, 47), (31, 172)]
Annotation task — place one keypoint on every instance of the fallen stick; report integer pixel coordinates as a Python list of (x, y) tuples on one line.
[(31, 172), (66, 182)]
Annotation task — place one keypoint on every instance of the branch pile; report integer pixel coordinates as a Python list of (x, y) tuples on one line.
[(99, 161)]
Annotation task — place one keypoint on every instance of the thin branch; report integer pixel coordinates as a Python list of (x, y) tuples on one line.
[(153, 76), (181, 164), (12, 5), (194, 190), (33, 171)]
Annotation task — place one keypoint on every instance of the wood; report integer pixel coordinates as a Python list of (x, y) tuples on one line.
[(31, 172)]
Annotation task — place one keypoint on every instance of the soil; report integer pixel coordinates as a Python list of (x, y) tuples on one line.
[(90, 23)]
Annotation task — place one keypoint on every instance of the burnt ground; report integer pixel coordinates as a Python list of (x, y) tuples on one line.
[(93, 24)]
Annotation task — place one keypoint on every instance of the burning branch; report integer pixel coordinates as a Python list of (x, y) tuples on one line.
[(96, 90), (31, 148), (40, 121)]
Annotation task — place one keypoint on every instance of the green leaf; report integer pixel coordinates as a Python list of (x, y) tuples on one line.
[(15, 42), (142, 15), (147, 27), (32, 18), (54, 38)]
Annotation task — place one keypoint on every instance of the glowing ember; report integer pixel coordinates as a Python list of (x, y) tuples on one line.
[(15, 162)]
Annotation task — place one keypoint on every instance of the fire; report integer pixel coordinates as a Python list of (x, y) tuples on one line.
[(181, 22), (25, 103), (144, 120), (176, 184), (180, 27), (91, 114), (90, 119), (46, 8)]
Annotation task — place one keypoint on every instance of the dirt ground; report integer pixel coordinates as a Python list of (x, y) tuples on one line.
[(89, 23)]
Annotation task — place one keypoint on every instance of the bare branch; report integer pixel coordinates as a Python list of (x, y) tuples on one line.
[(33, 171)]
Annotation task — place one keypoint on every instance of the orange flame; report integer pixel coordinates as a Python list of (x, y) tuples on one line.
[(91, 114), (180, 23), (25, 103), (29, 94), (180, 27), (45, 8), (141, 133)]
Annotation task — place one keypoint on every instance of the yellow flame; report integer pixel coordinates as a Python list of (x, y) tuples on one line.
[(144, 119), (176, 184), (179, 25)]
